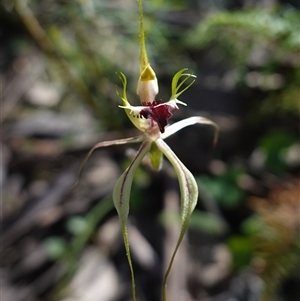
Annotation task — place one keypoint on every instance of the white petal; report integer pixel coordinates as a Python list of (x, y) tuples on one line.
[(177, 126)]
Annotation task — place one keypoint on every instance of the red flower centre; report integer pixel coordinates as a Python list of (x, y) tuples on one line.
[(159, 112)]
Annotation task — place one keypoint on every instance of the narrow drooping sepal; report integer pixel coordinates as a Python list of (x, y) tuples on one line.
[(121, 199), (189, 197), (121, 192), (187, 183), (105, 144)]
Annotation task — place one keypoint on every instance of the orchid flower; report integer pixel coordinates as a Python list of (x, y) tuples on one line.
[(151, 118)]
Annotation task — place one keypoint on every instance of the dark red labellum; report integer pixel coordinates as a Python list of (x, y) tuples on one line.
[(158, 112)]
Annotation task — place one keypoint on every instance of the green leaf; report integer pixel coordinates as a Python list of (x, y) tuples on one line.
[(189, 196), (121, 199)]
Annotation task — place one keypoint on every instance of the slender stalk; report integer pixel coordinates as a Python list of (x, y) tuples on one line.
[(170, 265)]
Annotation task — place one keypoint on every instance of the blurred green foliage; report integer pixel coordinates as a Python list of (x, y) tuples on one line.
[(241, 248), (239, 32), (224, 188), (264, 40), (207, 222), (274, 146), (82, 228), (55, 247)]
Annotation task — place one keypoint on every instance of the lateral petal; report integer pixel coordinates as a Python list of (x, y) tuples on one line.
[(177, 126)]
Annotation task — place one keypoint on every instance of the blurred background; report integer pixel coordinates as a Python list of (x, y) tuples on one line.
[(59, 63)]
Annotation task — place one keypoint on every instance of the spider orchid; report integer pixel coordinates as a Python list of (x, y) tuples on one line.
[(151, 118)]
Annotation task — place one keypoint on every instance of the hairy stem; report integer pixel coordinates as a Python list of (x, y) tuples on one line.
[(128, 255)]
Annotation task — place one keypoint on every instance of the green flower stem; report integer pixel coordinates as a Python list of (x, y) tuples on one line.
[(128, 255)]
